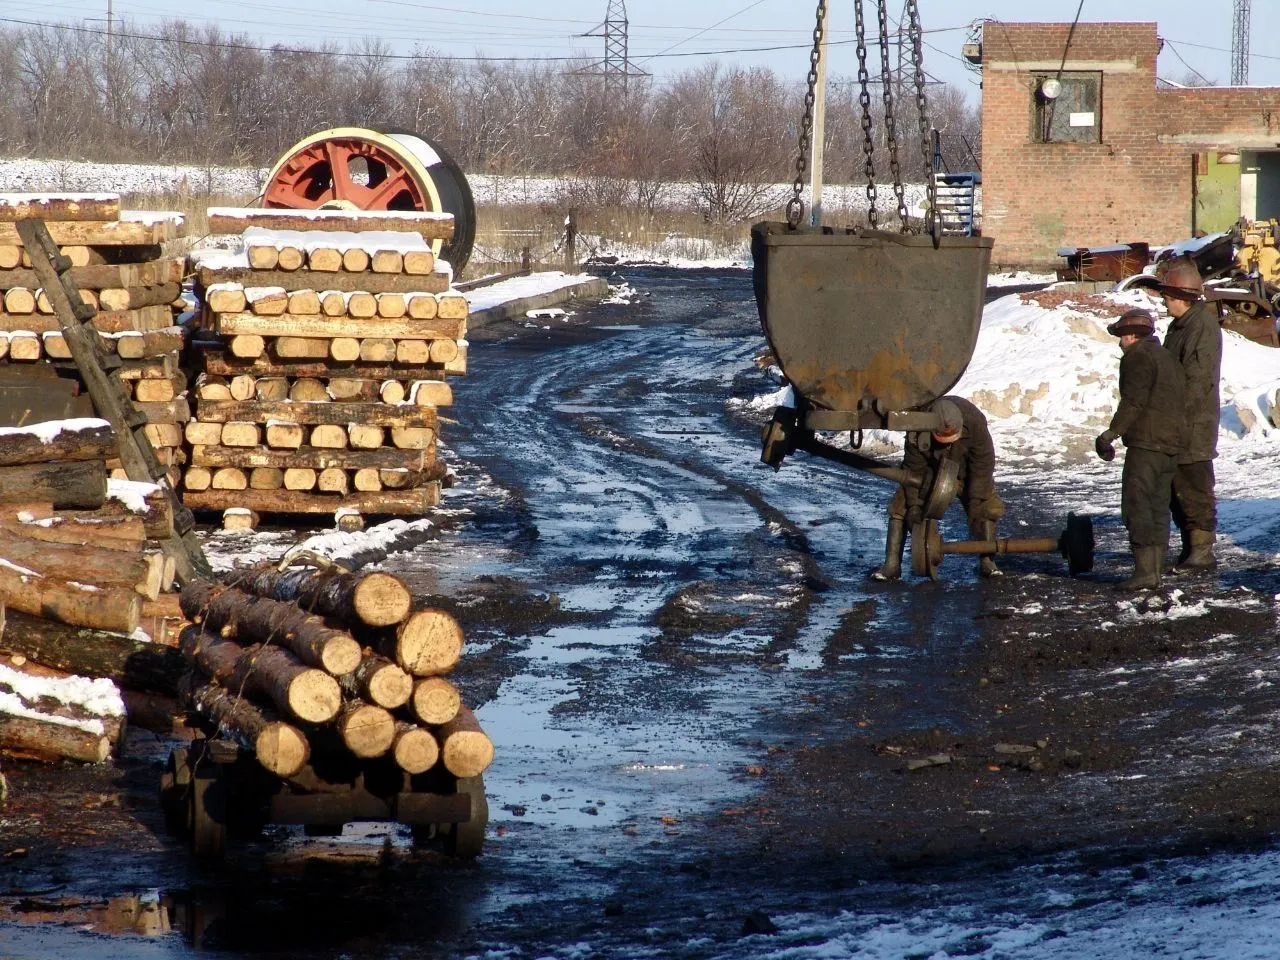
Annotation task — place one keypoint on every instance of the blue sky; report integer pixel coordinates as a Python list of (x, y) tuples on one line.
[(667, 36)]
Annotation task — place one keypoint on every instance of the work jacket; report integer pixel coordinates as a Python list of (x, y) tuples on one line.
[(974, 452), (1195, 340), (1152, 399)]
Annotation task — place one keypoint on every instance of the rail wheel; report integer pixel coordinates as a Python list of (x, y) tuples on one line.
[(356, 168), (208, 812), (466, 840)]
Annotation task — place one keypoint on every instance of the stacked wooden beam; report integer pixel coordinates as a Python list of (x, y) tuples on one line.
[(119, 270), (78, 566), (335, 332), (306, 667)]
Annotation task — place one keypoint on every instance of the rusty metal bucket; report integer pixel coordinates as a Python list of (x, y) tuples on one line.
[(864, 321)]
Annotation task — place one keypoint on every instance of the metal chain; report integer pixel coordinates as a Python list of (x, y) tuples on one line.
[(864, 99), (916, 35), (891, 134), (795, 206)]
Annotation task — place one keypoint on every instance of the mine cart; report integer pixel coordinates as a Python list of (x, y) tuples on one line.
[(213, 792)]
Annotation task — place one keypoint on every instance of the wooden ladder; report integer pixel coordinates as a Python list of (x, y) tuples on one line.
[(109, 395)]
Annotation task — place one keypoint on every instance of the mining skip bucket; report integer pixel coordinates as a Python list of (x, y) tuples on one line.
[(863, 320)]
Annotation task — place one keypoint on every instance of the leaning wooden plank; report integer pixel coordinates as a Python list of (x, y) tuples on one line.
[(84, 439), (72, 602), (430, 226), (130, 662), (260, 411), (280, 747), (134, 228), (373, 599), (59, 206), (249, 618), (383, 458), (302, 325), (75, 484), (388, 503)]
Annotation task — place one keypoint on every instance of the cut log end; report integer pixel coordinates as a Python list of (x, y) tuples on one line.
[(415, 750), (314, 696), (435, 700), (467, 753), (381, 600), (368, 731), (282, 749), (341, 655), (428, 642)]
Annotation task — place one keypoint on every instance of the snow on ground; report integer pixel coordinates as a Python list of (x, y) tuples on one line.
[(521, 288)]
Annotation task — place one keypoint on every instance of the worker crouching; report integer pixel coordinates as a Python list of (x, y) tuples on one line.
[(1151, 421), (963, 438)]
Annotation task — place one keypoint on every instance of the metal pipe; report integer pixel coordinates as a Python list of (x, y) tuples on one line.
[(994, 547), (811, 444)]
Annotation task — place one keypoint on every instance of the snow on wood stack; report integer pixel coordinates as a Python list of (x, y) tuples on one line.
[(84, 588), (119, 270), (335, 331), (304, 667)]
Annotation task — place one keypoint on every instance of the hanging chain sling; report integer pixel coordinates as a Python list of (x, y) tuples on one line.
[(795, 204)]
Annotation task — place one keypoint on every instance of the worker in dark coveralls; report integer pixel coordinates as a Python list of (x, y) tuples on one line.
[(1150, 421), (964, 438), (1195, 340)]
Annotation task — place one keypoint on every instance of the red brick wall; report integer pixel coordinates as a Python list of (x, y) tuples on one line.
[(1037, 197)]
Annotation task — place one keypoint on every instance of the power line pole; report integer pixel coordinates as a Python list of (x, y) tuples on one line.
[(616, 66), (110, 20), (1240, 43)]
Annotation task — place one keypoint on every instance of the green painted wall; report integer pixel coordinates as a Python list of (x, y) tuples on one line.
[(1217, 202)]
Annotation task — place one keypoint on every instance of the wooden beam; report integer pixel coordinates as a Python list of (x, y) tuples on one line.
[(116, 233), (386, 502), (383, 458), (430, 226), (318, 327), (438, 281), (260, 411)]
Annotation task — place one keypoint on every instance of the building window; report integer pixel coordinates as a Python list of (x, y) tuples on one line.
[(1068, 108)]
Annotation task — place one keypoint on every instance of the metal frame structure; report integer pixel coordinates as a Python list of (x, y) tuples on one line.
[(1240, 43)]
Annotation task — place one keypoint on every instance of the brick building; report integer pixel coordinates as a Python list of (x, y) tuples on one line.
[(1089, 151)]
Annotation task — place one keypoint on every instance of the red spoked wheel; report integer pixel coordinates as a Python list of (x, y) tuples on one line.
[(355, 168)]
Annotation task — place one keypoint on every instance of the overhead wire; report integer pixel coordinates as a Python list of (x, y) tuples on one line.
[(1174, 50)]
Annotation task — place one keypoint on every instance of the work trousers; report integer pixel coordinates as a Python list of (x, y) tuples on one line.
[(1146, 486), (1194, 506), (978, 511)]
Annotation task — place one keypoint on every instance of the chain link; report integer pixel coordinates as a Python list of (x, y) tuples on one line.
[(890, 124), (795, 206), (916, 35), (864, 99)]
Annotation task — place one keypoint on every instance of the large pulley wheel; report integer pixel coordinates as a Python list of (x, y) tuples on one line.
[(926, 548), (356, 168)]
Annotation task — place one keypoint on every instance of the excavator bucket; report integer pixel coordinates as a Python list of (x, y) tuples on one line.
[(862, 320)]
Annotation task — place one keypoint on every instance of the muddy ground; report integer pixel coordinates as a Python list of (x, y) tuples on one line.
[(716, 738)]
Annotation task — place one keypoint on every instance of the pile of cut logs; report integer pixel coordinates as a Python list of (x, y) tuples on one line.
[(119, 270), (81, 579), (298, 664), (335, 332)]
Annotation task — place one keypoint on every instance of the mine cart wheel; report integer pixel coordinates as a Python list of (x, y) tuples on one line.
[(465, 840), (926, 549), (208, 812), (1077, 544), (175, 785)]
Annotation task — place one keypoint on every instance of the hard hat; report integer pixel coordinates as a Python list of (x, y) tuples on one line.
[(952, 421), (1135, 321), (1180, 278)]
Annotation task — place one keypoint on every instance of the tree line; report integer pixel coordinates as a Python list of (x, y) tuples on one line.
[(198, 95)]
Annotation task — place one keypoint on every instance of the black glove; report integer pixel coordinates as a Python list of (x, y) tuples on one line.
[(1105, 445)]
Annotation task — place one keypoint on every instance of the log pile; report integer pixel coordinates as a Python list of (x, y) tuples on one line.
[(119, 270), (84, 589), (307, 667), (331, 335)]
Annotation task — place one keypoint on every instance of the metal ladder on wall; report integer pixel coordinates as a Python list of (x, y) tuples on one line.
[(956, 202)]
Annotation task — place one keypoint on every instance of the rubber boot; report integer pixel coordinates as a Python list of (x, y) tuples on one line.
[(987, 565), (1200, 555), (894, 539), (1146, 569)]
